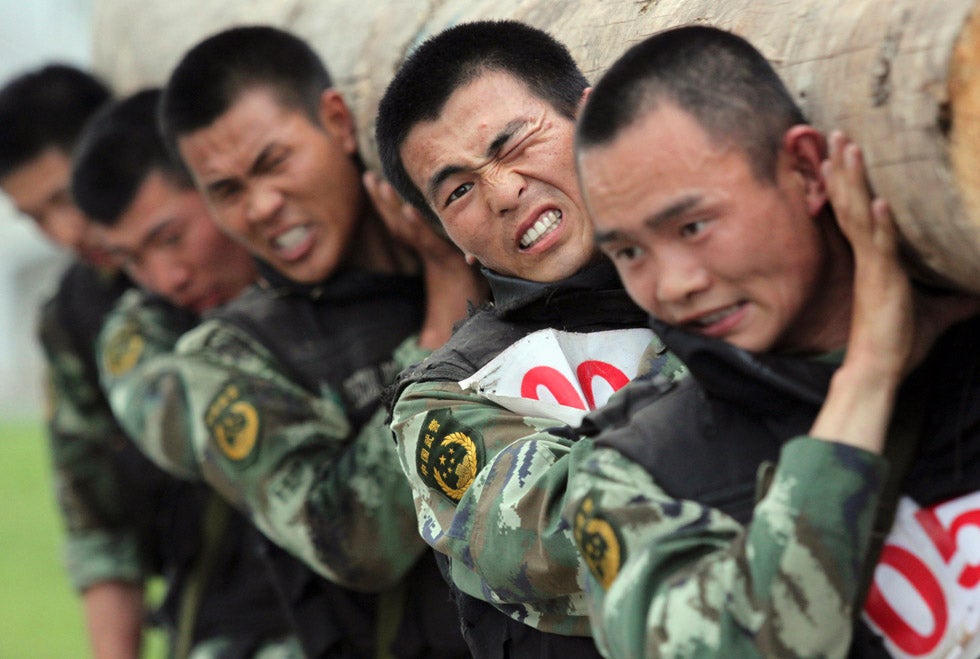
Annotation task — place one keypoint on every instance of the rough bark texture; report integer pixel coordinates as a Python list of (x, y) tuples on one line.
[(901, 76)]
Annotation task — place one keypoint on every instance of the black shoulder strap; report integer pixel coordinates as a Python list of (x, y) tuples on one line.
[(901, 446)]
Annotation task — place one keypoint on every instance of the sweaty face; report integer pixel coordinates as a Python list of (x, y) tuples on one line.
[(497, 167), (39, 189), (701, 243), (169, 244), (284, 187)]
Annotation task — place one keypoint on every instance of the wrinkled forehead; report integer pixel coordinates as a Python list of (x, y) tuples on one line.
[(476, 113)]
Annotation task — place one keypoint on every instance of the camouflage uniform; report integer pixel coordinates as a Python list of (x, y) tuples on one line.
[(104, 541), (223, 410), (673, 578), (677, 571), (125, 519), (495, 512), (223, 407)]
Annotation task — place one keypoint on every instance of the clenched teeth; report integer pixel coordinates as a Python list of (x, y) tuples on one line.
[(545, 225), (291, 238)]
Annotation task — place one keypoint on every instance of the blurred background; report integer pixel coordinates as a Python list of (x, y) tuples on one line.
[(31, 33), (39, 614)]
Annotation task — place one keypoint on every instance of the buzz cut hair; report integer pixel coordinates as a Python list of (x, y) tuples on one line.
[(43, 109), (214, 74), (715, 76), (121, 147), (451, 59)]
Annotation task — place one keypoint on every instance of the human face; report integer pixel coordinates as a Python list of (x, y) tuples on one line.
[(286, 188), (39, 189), (497, 167), (702, 243), (169, 244)]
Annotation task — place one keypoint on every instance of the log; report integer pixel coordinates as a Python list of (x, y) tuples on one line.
[(901, 76)]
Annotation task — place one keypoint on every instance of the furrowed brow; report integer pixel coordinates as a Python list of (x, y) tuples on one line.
[(501, 139), (493, 149), (261, 161)]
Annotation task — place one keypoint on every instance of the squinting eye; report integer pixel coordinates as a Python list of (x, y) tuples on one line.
[(625, 253), (171, 238), (692, 228), (458, 192)]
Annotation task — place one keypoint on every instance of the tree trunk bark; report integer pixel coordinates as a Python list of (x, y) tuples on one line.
[(900, 76)]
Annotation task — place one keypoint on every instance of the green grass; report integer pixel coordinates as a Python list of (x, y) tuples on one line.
[(40, 614)]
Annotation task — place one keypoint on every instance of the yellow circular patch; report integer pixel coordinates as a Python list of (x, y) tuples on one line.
[(123, 351), (448, 455), (598, 543), (234, 423), (460, 469)]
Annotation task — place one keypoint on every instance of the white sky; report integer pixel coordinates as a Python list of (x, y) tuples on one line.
[(32, 32)]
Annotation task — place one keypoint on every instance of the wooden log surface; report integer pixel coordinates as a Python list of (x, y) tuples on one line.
[(901, 76)]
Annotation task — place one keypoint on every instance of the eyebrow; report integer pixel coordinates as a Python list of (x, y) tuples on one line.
[(676, 209), (493, 149), (261, 161), (148, 239)]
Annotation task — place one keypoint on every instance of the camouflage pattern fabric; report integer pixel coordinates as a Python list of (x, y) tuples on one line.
[(103, 542), (671, 578), (217, 407), (489, 487)]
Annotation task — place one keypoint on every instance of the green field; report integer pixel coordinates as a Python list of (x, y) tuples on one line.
[(40, 615)]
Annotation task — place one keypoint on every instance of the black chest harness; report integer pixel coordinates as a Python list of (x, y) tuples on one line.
[(592, 300), (338, 336)]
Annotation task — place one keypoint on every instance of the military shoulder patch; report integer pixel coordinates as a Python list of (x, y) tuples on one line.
[(122, 350), (234, 424), (598, 543), (448, 455)]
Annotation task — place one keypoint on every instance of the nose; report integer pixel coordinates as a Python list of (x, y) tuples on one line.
[(167, 276), (503, 188), (680, 276), (66, 227), (264, 201)]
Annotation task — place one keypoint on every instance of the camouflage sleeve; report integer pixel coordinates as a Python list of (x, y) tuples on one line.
[(136, 364), (670, 578), (285, 457), (489, 487), (102, 542)]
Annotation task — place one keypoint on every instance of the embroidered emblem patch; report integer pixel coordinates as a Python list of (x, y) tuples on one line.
[(233, 422), (448, 455), (598, 543), (123, 350)]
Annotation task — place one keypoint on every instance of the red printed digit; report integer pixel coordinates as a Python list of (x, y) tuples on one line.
[(888, 619), (945, 540), (552, 380), (590, 369)]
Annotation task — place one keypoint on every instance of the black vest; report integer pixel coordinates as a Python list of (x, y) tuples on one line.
[(340, 334), (592, 300), (704, 438), (236, 600)]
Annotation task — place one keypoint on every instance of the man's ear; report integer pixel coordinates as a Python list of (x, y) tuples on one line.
[(581, 101), (806, 148), (337, 119)]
